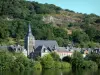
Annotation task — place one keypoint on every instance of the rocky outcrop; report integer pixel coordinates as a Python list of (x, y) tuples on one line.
[(60, 19)]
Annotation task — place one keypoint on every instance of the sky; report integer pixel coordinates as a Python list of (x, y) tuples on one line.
[(81, 6)]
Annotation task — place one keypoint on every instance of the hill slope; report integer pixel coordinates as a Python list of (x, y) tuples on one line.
[(49, 22)]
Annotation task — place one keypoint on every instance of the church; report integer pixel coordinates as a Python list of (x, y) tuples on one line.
[(34, 48)]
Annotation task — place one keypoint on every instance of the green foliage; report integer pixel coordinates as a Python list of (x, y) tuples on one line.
[(93, 45), (55, 56), (3, 30), (77, 59), (79, 36), (46, 8), (16, 14), (60, 32), (58, 65), (91, 31), (94, 57), (37, 65), (89, 64), (79, 62), (23, 62), (6, 61), (47, 62), (17, 62), (65, 65)]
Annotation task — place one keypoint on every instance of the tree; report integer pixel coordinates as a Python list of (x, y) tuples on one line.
[(55, 56), (60, 41), (89, 64), (47, 61), (94, 57), (37, 65), (91, 31), (79, 36), (65, 65), (4, 33), (77, 59), (21, 59), (6, 61)]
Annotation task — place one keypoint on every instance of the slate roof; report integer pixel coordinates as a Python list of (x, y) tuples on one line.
[(61, 49), (47, 43), (40, 48)]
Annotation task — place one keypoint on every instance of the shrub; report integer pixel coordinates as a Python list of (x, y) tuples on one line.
[(57, 65), (93, 65), (65, 65), (94, 57), (85, 64), (6, 59), (55, 56), (89, 64), (47, 61), (77, 59), (37, 66)]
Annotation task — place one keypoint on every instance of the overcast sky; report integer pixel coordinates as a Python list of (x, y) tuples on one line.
[(83, 6)]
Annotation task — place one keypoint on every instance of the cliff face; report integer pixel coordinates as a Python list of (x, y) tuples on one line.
[(60, 19)]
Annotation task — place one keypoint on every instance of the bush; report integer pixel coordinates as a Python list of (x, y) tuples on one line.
[(65, 65), (47, 61), (16, 66), (85, 64), (57, 65), (6, 60), (89, 64), (93, 65), (77, 59), (55, 56), (94, 57), (21, 59), (37, 66)]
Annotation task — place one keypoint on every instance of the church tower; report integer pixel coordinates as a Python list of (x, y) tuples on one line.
[(29, 41)]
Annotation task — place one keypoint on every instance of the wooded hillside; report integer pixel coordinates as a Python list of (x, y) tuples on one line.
[(49, 22)]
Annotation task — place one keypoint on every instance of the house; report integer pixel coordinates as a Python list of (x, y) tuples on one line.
[(63, 52), (96, 50)]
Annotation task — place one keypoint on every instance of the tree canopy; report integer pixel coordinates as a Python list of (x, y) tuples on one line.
[(15, 15)]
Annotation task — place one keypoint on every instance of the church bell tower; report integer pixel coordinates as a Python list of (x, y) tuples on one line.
[(29, 41)]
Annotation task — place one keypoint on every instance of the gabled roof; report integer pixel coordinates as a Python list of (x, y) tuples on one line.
[(38, 48), (47, 43), (41, 48)]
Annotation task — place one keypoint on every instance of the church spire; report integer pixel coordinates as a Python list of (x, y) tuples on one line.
[(29, 29), (29, 41)]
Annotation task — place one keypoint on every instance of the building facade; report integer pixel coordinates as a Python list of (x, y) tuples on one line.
[(35, 48)]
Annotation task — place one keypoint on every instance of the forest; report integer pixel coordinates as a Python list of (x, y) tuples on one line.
[(15, 15)]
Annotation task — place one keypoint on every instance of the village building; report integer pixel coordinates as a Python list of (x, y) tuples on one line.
[(63, 52), (34, 48)]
